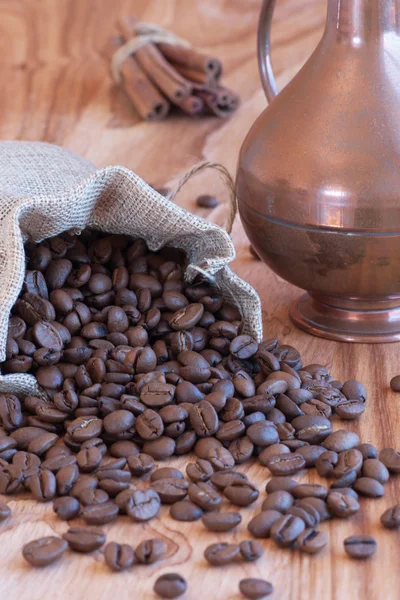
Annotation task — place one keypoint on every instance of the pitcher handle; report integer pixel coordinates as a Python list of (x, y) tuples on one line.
[(264, 50)]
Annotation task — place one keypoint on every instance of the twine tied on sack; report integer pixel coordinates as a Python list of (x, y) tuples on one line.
[(146, 33)]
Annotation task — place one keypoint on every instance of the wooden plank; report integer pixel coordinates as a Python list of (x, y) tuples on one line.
[(56, 87)]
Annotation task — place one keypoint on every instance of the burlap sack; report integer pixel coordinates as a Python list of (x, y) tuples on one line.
[(45, 190)]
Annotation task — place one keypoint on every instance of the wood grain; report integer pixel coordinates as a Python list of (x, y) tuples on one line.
[(55, 86)]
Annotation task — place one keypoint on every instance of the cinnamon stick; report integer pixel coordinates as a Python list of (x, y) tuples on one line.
[(220, 101), (192, 105), (161, 73), (191, 59), (146, 98), (197, 79)]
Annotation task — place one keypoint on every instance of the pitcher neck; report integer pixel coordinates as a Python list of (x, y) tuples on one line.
[(359, 22)]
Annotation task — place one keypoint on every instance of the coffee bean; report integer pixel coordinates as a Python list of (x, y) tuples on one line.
[(263, 433), (140, 464), (99, 514), (286, 530), (206, 201), (66, 508), (353, 390), (159, 449), (220, 554), (201, 470), (84, 428), (307, 490), (5, 511), (241, 494), (306, 513), (204, 419), (84, 539), (348, 460), (221, 522), (391, 517), (223, 479), (316, 503), (326, 463), (312, 541), (253, 589), (375, 469), (90, 496), (280, 483), (185, 510), (186, 317), (143, 505), (250, 550), (260, 525), (220, 458), (286, 464), (341, 440), (279, 500), (366, 486), (395, 383), (367, 451), (204, 495), (310, 454), (44, 551), (43, 486), (391, 459), (170, 585), (166, 473), (119, 557), (150, 551), (243, 346), (171, 489), (360, 546), (342, 505)]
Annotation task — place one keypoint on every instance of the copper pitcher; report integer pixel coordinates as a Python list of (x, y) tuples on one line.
[(318, 179)]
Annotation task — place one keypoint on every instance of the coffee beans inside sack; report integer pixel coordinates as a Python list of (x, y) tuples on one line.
[(135, 363)]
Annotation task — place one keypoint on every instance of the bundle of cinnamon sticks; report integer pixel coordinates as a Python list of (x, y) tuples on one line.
[(160, 75)]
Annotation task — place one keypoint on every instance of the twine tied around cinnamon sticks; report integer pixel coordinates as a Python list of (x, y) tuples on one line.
[(156, 68), (143, 33)]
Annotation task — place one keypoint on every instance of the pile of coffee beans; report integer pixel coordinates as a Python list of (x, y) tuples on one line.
[(137, 366)]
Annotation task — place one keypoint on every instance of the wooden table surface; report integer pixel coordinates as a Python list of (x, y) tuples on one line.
[(56, 87)]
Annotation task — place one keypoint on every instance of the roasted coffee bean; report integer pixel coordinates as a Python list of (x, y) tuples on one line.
[(204, 495), (316, 503), (286, 464), (89, 459), (161, 448), (171, 489), (243, 346), (44, 551), (221, 522), (280, 483), (220, 459), (5, 511), (395, 383), (223, 479), (250, 550), (326, 463), (42, 486), (143, 505), (312, 541), (201, 470), (206, 201), (185, 510), (66, 478), (99, 514), (84, 482), (360, 546), (204, 419), (263, 433), (306, 513), (170, 585), (310, 454), (119, 557), (84, 428), (349, 460), (220, 554), (366, 486), (375, 469), (350, 409), (241, 450), (90, 496), (391, 517), (271, 451), (186, 317), (341, 505), (260, 525), (253, 589), (150, 551), (140, 464), (391, 459), (241, 494), (279, 500), (353, 390), (166, 473), (84, 539), (312, 428), (368, 451), (286, 530), (341, 440), (66, 508)]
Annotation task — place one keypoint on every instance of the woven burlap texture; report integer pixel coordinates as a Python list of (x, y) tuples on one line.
[(45, 190)]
